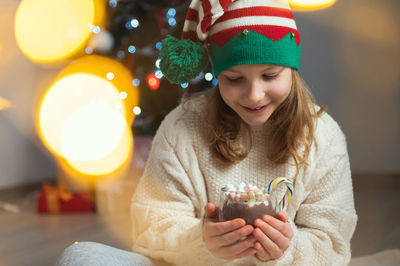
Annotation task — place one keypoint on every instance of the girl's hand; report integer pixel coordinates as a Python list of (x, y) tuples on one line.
[(273, 236), (224, 239)]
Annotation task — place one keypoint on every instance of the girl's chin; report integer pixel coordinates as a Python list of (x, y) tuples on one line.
[(255, 122)]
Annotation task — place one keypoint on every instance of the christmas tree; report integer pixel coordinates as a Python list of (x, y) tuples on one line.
[(133, 35)]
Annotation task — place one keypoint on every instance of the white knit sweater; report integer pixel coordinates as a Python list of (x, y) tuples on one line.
[(181, 177)]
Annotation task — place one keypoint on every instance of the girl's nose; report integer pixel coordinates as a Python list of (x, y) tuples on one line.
[(256, 92)]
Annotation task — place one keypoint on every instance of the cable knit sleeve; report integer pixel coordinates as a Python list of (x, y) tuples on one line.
[(325, 221), (167, 207)]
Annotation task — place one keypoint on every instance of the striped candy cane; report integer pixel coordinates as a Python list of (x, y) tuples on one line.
[(289, 191)]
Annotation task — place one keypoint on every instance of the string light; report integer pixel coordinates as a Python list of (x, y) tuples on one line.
[(128, 25), (158, 63), (159, 74), (158, 45), (121, 54), (184, 85), (137, 110), (123, 95), (89, 50), (136, 82), (112, 3), (153, 82), (110, 76), (131, 49), (208, 76), (172, 22), (96, 30), (215, 82), (134, 23), (171, 12)]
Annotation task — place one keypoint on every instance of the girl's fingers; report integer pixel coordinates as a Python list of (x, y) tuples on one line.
[(221, 228), (282, 216), (211, 210), (236, 250), (283, 227), (232, 237), (247, 252), (267, 243), (273, 234), (262, 254)]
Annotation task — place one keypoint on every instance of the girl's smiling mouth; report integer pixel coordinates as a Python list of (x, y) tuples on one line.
[(255, 110)]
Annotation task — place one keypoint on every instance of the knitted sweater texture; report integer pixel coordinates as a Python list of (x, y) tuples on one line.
[(181, 176)]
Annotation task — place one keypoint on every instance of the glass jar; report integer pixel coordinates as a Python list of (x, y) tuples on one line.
[(246, 205)]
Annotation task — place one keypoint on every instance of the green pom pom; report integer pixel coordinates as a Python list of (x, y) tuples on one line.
[(182, 60)]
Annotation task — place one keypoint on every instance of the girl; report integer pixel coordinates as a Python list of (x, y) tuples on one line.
[(259, 123)]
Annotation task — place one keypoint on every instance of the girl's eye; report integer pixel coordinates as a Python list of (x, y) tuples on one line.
[(234, 79), (270, 77)]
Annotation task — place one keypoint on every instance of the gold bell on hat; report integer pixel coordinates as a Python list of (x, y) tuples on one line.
[(245, 32)]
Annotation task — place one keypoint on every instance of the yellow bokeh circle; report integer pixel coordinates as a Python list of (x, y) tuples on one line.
[(50, 31), (83, 119), (309, 5)]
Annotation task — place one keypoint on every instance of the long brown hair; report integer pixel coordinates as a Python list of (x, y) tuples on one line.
[(292, 127)]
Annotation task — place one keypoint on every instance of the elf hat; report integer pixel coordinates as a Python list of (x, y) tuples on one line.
[(231, 33)]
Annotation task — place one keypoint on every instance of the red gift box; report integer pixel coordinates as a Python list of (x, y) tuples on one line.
[(58, 199)]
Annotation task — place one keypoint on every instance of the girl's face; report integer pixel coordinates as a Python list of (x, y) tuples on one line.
[(254, 92)]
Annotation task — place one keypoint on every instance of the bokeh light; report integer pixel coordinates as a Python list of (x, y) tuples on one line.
[(208, 76), (172, 22), (91, 132), (123, 95), (309, 5), (50, 31), (134, 23), (113, 3), (137, 110), (4, 104), (89, 50), (159, 74), (131, 49), (215, 82), (136, 82), (110, 76), (158, 45), (120, 54), (158, 61), (153, 82), (111, 70), (84, 118), (171, 12)]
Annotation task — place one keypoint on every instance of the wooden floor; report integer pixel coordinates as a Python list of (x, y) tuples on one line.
[(27, 238)]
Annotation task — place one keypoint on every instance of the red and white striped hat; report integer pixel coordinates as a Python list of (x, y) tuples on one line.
[(241, 32)]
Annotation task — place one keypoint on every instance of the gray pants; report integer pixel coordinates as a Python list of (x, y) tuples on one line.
[(96, 254)]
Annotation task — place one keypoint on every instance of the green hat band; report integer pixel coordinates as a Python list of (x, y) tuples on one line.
[(255, 48)]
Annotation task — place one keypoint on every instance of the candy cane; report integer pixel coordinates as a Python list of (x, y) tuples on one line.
[(289, 191)]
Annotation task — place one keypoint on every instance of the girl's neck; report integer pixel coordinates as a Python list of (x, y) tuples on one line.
[(260, 128)]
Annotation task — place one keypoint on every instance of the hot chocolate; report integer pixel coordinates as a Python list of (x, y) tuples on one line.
[(246, 202)]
